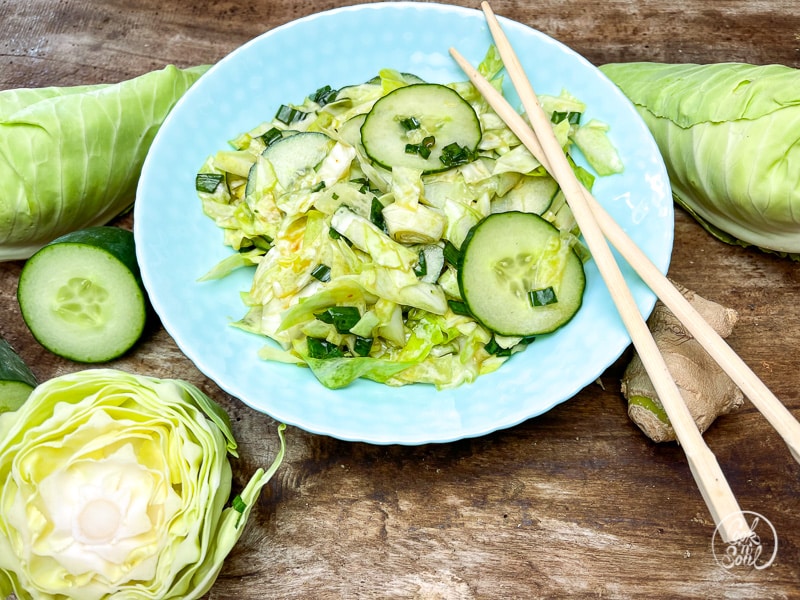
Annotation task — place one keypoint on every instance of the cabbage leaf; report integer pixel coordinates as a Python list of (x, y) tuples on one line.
[(70, 157), (730, 137)]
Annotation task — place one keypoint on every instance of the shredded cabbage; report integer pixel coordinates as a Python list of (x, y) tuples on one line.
[(359, 236)]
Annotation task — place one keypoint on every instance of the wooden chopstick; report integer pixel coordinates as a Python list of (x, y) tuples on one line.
[(773, 410), (712, 483), (781, 419)]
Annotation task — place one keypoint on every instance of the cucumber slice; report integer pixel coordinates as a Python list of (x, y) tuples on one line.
[(16, 379), (409, 77), (509, 257), (441, 113), (293, 156), (533, 194), (82, 295), (350, 130)]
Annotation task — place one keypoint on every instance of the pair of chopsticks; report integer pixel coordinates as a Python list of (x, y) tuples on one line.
[(598, 227)]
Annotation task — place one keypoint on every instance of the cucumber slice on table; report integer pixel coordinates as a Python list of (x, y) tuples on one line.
[(518, 277), (82, 295), (16, 379), (408, 116)]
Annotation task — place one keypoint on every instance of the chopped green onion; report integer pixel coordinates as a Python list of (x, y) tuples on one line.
[(454, 155), (321, 273), (418, 149), (324, 95), (542, 297), (207, 182), (271, 136), (459, 307), (574, 117), (319, 187), (421, 269), (323, 349), (410, 123), (343, 318), (451, 253), (423, 148), (492, 347), (362, 346), (365, 185), (376, 213), (288, 115), (239, 506)]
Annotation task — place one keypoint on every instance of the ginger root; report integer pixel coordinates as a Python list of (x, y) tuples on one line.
[(706, 389)]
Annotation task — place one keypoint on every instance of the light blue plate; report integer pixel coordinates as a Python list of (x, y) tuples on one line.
[(176, 243)]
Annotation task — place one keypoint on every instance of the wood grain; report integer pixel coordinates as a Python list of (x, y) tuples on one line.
[(576, 502)]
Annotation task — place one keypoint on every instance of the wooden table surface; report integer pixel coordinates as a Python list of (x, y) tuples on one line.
[(576, 502)]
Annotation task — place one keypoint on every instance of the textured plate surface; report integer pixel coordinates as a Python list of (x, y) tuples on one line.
[(176, 243)]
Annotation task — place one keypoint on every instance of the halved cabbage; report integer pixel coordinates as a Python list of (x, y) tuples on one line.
[(70, 157), (730, 137), (114, 485)]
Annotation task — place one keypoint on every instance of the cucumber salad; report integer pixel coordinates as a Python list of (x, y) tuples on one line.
[(398, 231)]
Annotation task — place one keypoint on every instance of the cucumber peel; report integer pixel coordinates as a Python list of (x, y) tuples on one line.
[(16, 379), (82, 295)]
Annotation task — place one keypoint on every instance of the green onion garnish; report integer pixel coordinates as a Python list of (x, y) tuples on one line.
[(421, 269), (343, 318), (321, 273), (239, 505), (454, 155), (271, 136), (362, 346), (207, 182), (423, 148), (323, 349), (574, 117), (376, 213), (410, 123), (542, 297), (318, 187), (459, 307), (324, 95), (451, 253), (492, 347), (288, 115), (365, 186)]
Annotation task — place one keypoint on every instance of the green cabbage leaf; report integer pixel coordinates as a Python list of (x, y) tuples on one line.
[(70, 157), (730, 137)]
